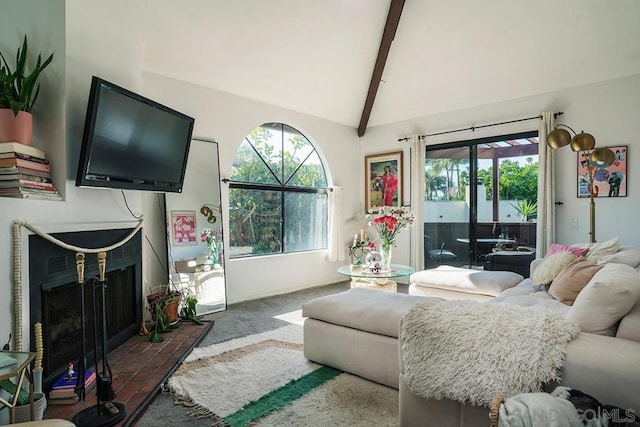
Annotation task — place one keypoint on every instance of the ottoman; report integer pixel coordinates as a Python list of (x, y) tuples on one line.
[(356, 331), (461, 283)]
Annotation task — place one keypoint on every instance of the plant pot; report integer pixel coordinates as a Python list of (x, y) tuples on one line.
[(170, 309), (15, 128), (23, 413)]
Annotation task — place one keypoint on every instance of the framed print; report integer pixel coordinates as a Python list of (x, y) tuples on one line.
[(183, 228), (607, 182), (383, 180)]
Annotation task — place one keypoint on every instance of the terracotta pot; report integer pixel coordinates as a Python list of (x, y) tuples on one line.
[(170, 310), (15, 128)]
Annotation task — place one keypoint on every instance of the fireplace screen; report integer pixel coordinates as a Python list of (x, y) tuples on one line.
[(61, 317), (55, 295)]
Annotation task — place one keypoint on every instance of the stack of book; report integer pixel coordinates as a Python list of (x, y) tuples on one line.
[(63, 391), (25, 173)]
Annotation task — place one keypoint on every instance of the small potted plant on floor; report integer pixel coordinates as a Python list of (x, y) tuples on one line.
[(19, 90), (163, 306)]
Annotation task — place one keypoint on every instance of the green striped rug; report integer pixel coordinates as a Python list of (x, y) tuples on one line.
[(264, 379)]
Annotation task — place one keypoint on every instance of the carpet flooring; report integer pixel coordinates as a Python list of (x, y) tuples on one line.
[(239, 320)]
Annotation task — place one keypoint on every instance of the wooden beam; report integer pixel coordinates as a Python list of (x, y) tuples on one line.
[(393, 18)]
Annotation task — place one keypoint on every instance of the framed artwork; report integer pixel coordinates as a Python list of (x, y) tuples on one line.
[(607, 182), (183, 228), (383, 180)]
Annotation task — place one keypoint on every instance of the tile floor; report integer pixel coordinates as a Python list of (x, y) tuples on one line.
[(139, 367)]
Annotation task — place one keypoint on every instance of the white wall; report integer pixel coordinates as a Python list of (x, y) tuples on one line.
[(227, 119), (608, 110), (86, 47)]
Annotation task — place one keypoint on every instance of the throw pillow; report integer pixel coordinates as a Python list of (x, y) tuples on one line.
[(570, 281), (599, 250), (550, 266), (626, 255), (558, 247), (606, 299)]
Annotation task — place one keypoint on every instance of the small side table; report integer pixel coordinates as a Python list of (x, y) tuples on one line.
[(380, 281), (22, 370)]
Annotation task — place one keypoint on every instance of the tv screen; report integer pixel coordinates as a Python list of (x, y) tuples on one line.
[(131, 142)]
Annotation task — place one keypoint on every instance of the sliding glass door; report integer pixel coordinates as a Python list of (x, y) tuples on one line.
[(480, 198)]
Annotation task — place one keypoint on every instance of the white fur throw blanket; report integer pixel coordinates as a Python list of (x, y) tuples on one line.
[(470, 351)]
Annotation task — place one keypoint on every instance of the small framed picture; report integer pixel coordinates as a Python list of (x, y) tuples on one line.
[(183, 228), (383, 180), (607, 182)]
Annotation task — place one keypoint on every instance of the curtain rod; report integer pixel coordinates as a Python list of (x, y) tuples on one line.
[(473, 128)]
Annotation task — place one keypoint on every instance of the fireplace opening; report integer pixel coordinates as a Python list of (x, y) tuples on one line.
[(55, 297)]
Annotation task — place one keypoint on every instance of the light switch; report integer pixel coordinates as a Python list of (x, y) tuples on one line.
[(573, 223)]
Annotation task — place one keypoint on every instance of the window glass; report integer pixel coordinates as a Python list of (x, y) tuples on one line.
[(277, 194)]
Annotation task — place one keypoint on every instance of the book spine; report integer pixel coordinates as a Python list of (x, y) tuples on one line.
[(13, 170), (24, 157), (7, 147), (40, 196), (21, 163)]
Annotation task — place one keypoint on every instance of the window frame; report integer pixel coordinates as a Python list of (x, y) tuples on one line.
[(283, 189)]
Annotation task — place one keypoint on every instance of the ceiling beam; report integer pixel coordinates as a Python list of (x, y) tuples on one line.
[(393, 18)]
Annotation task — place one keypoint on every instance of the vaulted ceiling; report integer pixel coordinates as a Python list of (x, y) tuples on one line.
[(317, 57)]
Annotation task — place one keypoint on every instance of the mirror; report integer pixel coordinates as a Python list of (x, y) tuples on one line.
[(194, 236)]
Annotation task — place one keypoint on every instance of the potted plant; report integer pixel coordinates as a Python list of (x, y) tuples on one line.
[(23, 409), (163, 306), (526, 209), (19, 90), (188, 311)]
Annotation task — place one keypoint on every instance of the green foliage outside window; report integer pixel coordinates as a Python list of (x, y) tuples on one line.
[(273, 199)]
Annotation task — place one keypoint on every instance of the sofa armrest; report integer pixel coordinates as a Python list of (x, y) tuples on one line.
[(629, 327), (604, 367), (534, 264)]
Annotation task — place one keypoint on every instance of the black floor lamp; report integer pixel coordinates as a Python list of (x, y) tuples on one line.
[(106, 412)]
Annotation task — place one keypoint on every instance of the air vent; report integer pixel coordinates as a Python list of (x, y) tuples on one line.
[(56, 264)]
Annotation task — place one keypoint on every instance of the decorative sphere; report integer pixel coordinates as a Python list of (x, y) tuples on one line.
[(372, 257)]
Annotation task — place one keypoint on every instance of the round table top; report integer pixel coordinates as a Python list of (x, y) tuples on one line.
[(397, 270)]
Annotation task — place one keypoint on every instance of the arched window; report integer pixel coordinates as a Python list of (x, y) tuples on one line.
[(277, 194)]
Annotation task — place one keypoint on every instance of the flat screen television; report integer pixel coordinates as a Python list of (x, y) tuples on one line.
[(131, 142)]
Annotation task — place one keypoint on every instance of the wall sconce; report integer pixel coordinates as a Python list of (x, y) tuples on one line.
[(596, 158), (207, 210)]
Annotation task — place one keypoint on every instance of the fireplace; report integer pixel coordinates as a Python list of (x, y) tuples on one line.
[(55, 295)]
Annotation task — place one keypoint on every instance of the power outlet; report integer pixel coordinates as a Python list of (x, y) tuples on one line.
[(573, 223)]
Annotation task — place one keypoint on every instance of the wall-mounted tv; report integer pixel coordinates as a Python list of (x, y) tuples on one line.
[(131, 142)]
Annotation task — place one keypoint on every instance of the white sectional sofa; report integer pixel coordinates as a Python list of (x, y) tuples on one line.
[(357, 331)]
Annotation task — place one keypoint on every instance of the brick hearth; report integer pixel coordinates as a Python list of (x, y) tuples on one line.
[(139, 367)]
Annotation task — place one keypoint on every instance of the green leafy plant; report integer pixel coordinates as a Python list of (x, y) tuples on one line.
[(11, 388), (17, 87), (189, 309), (162, 322), (526, 208)]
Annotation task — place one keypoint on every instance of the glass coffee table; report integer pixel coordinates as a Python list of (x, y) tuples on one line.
[(364, 278)]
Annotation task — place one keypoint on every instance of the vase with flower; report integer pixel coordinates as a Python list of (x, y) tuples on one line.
[(211, 237), (389, 223)]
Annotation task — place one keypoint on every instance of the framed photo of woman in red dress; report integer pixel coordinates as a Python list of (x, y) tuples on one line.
[(383, 180)]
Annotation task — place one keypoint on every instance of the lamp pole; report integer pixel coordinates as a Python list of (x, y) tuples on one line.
[(592, 205)]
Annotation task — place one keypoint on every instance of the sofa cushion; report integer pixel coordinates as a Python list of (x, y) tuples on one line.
[(629, 327), (366, 309), (600, 249), (608, 296), (466, 280), (550, 266), (626, 255), (558, 247), (570, 281)]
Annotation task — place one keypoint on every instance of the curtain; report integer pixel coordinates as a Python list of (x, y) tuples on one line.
[(417, 201), (335, 246), (546, 226)]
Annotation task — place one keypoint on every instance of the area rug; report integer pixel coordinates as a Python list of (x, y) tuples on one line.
[(265, 380)]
